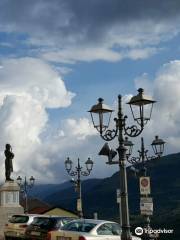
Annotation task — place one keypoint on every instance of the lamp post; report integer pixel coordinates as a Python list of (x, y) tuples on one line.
[(100, 114), (24, 186), (78, 172), (158, 148)]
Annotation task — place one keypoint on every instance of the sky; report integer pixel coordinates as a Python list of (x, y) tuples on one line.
[(58, 57)]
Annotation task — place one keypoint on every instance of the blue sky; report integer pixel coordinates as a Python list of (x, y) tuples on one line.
[(57, 57)]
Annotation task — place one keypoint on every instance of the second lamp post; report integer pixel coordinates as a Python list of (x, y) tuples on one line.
[(78, 172), (24, 189), (140, 162), (100, 113)]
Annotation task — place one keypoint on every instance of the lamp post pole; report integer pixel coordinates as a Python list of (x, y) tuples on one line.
[(24, 186), (78, 172), (158, 148), (126, 234), (99, 111)]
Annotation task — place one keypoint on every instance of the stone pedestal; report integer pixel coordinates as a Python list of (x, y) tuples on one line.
[(9, 202)]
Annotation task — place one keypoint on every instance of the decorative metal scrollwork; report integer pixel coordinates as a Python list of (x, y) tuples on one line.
[(132, 131), (83, 173), (151, 158), (73, 173), (134, 160), (109, 135)]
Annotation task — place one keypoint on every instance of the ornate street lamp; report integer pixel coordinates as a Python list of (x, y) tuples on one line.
[(24, 186), (101, 115), (129, 146), (78, 172), (68, 165), (139, 104), (158, 146), (143, 114), (89, 165), (143, 158)]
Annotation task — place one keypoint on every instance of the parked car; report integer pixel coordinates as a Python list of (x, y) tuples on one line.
[(41, 226), (88, 229), (16, 226)]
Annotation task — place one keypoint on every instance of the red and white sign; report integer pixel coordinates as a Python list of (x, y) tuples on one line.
[(144, 185)]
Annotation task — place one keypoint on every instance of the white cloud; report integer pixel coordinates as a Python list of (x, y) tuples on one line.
[(166, 112), (80, 128), (136, 53), (27, 87), (36, 78), (71, 55)]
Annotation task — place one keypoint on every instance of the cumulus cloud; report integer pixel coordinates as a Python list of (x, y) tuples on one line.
[(166, 91), (81, 128), (35, 78), (107, 30), (28, 86)]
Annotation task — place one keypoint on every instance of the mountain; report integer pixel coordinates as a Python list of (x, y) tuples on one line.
[(69, 194), (100, 195), (43, 190)]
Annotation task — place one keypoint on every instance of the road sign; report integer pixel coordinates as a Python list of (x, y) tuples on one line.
[(79, 205), (144, 183), (146, 206), (95, 215), (118, 196)]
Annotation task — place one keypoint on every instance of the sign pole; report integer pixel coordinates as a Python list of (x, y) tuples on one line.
[(146, 206), (119, 203)]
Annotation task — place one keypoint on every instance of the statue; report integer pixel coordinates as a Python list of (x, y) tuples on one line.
[(8, 162)]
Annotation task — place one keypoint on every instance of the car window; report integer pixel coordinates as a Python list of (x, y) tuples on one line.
[(116, 229), (109, 229), (87, 227), (72, 226), (18, 219), (79, 226), (45, 223)]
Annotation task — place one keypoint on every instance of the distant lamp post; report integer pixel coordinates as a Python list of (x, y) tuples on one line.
[(146, 200), (158, 146), (141, 107), (24, 186), (78, 172)]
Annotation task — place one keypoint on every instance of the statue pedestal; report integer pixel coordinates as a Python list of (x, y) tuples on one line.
[(9, 202)]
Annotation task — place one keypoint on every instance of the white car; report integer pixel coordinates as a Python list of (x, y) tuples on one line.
[(88, 229), (16, 226)]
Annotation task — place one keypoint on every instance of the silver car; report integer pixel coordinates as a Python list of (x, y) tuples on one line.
[(88, 229)]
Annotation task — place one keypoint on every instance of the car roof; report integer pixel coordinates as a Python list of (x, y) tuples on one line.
[(27, 214), (53, 217), (92, 221), (43, 216)]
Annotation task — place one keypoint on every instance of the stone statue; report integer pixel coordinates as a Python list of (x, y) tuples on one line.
[(8, 162)]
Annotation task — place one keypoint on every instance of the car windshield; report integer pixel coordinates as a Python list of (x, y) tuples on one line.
[(44, 223), (79, 226), (18, 219)]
